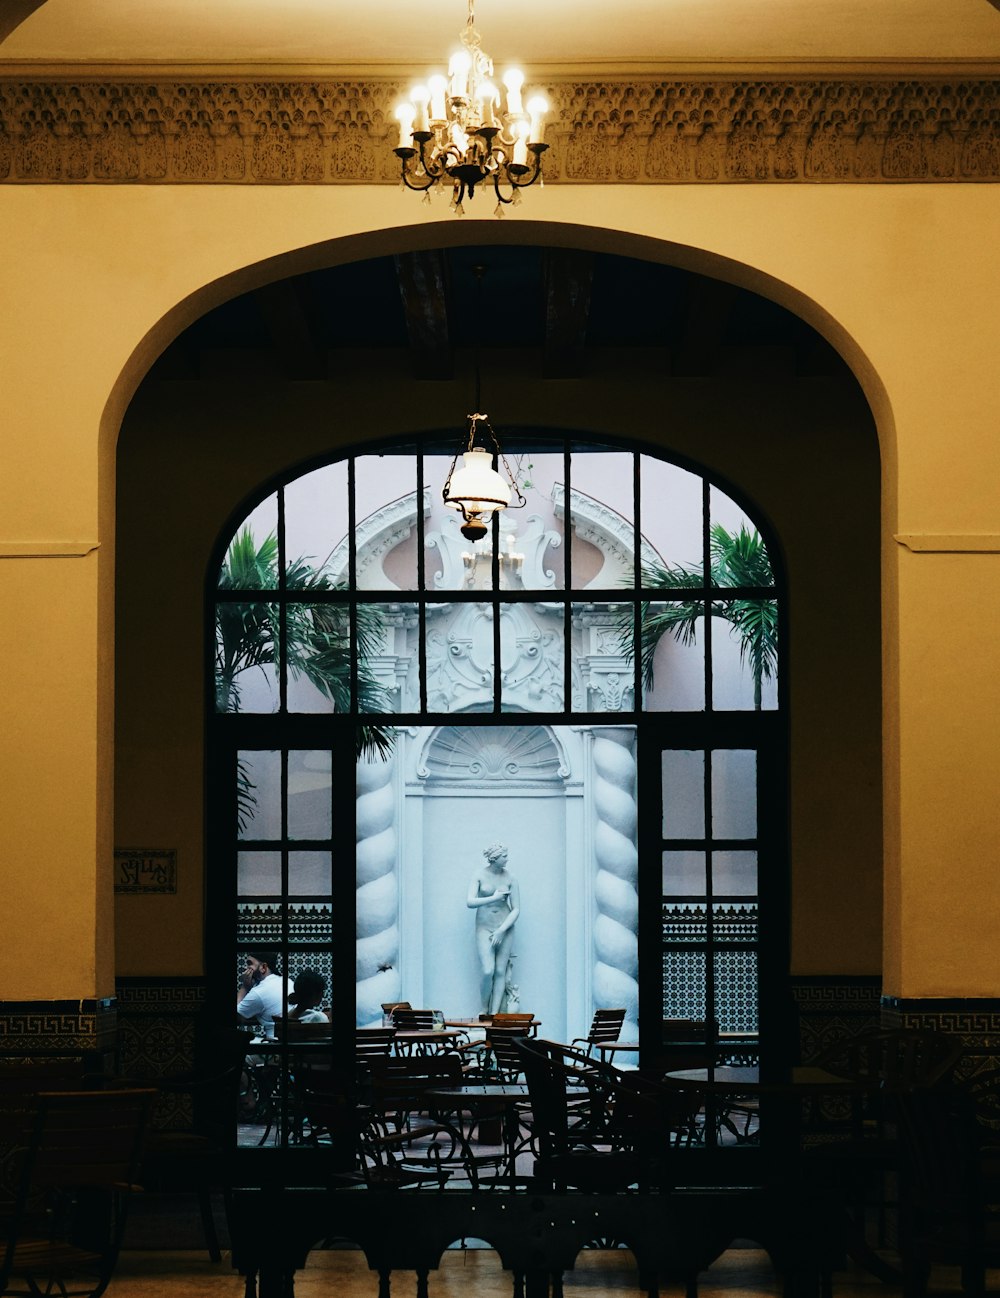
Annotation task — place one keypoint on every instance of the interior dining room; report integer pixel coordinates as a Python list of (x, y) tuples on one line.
[(574, 489)]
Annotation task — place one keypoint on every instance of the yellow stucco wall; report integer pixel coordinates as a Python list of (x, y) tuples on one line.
[(904, 279)]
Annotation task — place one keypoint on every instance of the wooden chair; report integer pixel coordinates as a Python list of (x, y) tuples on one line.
[(78, 1166), (193, 1160), (407, 1019), (372, 1043), (606, 1026)]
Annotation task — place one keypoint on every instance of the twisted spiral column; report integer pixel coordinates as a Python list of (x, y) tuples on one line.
[(377, 897), (616, 942)]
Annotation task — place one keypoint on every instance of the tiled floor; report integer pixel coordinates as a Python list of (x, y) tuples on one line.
[(471, 1273)]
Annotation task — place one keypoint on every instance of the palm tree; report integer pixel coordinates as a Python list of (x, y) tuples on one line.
[(317, 636), (737, 559)]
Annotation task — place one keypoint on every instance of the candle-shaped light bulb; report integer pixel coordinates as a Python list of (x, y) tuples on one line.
[(421, 99), (537, 107), (458, 69), (520, 158), (513, 79), (486, 98), (437, 85), (460, 140), (405, 114)]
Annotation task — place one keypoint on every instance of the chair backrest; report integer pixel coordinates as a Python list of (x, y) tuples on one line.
[(88, 1138), (687, 1043), (296, 1030), (503, 1038), (546, 1083), (390, 1007), (606, 1026), (899, 1058), (399, 1084), (407, 1019), (512, 1020), (372, 1042)]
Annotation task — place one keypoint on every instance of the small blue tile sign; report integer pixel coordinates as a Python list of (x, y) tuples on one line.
[(145, 869)]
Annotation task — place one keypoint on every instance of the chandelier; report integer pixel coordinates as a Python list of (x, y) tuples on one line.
[(453, 129)]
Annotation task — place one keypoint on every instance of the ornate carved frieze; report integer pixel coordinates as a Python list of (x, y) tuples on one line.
[(700, 130)]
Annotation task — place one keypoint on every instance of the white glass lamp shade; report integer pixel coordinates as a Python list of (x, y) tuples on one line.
[(476, 489)]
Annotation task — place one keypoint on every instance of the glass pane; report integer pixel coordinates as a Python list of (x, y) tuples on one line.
[(684, 874), (739, 555), (258, 793), (258, 874), (735, 922), (258, 924), (246, 648), (309, 874), (736, 990), (316, 526), (734, 874), (251, 561), (459, 657), (531, 657), (684, 985), (673, 660), (309, 922), (309, 795), (385, 528), (319, 658), (734, 793), (602, 514), (684, 922), (603, 675), (444, 544), (745, 655), (682, 783), (319, 962), (671, 524), (537, 530)]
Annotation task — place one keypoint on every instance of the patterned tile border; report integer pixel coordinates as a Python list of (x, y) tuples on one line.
[(58, 1027), (976, 1021), (832, 1007)]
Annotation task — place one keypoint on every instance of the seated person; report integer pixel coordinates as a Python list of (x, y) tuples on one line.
[(303, 1003), (263, 991)]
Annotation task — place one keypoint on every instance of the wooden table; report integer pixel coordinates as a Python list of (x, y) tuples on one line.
[(425, 1041)]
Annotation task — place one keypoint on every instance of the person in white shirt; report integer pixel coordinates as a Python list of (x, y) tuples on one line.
[(263, 991)]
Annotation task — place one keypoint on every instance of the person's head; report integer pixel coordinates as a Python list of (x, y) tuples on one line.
[(262, 963), (309, 989), (496, 855)]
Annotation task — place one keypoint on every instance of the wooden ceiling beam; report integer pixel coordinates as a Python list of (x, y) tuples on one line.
[(709, 306), (423, 288), (284, 309), (567, 277)]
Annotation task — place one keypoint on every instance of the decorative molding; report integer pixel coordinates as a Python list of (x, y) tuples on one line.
[(492, 757), (46, 549), (950, 542), (699, 129)]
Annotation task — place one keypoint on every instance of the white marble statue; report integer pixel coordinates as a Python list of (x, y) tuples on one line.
[(494, 895)]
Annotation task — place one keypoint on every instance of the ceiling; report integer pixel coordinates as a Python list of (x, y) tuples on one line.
[(551, 37), (559, 309)]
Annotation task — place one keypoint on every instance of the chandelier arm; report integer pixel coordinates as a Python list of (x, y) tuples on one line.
[(417, 189)]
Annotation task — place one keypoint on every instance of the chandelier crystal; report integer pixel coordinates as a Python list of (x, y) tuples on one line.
[(453, 130)]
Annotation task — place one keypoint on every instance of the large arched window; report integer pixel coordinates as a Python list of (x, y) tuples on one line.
[(389, 699)]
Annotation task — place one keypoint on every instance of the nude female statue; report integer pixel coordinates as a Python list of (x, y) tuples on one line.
[(494, 895)]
